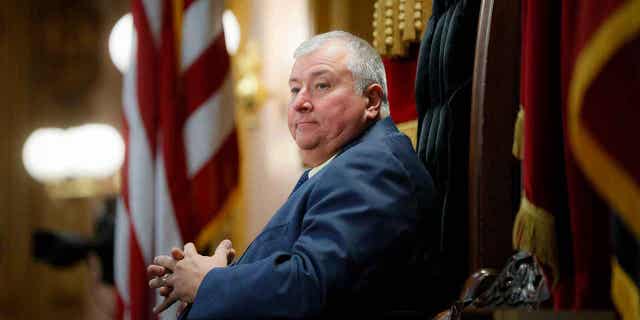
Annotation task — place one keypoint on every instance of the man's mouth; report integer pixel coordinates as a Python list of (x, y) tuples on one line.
[(304, 123)]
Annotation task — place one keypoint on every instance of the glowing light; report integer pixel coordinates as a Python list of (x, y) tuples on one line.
[(97, 151), (120, 41), (44, 155), (231, 31), (88, 151)]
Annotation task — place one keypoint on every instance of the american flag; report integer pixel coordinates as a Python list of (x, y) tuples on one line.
[(181, 162)]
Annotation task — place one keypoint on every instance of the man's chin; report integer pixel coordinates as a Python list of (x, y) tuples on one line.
[(306, 144), (306, 147)]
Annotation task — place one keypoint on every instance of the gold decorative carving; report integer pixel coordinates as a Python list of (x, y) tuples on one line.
[(398, 23), (249, 90)]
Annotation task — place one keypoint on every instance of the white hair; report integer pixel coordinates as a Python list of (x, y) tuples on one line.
[(363, 61)]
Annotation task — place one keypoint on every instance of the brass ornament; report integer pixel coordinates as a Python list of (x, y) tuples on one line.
[(397, 24)]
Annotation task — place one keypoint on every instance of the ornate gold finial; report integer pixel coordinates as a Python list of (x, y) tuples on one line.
[(249, 91), (398, 23), (401, 15), (418, 25)]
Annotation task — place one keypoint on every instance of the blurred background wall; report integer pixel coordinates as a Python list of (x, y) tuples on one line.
[(55, 73)]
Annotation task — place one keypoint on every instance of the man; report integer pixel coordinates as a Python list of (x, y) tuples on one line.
[(341, 240)]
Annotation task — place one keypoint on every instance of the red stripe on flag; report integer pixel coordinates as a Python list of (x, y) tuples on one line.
[(187, 3), (215, 181), (207, 74), (172, 119), (138, 306), (119, 312), (139, 292), (146, 73)]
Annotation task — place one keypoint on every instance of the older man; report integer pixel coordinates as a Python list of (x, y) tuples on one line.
[(341, 240)]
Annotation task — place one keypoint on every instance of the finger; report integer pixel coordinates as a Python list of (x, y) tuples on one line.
[(177, 254), (226, 244), (223, 247), (166, 303), (190, 249), (165, 261), (155, 271), (158, 282), (169, 281), (165, 291)]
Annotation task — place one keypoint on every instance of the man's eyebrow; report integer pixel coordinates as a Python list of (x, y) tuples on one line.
[(319, 73), (313, 74)]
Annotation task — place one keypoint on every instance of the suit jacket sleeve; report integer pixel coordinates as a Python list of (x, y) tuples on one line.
[(356, 211)]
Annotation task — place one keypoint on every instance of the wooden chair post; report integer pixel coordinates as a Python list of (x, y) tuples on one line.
[(493, 171)]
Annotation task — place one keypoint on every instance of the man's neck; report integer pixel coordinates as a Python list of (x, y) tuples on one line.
[(314, 158), (317, 168)]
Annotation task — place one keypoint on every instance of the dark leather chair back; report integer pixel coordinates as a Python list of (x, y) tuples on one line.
[(443, 100)]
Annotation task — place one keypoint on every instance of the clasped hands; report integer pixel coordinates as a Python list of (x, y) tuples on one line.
[(178, 277)]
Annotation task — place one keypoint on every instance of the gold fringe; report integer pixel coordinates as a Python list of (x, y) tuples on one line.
[(410, 128), (218, 228), (518, 136), (624, 292), (534, 232), (398, 24)]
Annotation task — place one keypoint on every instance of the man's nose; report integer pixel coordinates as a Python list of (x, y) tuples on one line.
[(302, 102)]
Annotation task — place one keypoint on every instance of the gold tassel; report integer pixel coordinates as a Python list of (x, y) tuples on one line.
[(410, 128), (534, 232), (518, 136)]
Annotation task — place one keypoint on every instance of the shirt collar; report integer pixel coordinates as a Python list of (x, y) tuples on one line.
[(319, 167)]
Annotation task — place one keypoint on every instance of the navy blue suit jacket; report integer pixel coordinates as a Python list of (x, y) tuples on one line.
[(338, 244)]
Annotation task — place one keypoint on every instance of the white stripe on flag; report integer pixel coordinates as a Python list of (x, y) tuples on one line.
[(207, 128), (121, 252), (199, 30), (140, 170), (166, 226), (153, 12)]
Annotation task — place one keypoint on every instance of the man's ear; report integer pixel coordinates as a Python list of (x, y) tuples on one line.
[(374, 100)]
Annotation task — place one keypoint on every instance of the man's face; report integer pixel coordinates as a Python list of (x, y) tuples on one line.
[(325, 112)]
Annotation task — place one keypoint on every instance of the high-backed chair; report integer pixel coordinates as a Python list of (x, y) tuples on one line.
[(443, 101), (493, 173)]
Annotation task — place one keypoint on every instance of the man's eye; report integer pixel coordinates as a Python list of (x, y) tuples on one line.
[(295, 90), (322, 86)]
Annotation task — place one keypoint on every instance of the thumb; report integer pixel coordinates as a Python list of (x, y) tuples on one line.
[(224, 246), (190, 249), (177, 254)]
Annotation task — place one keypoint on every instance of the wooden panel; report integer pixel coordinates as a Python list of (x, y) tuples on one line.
[(19, 208), (493, 174)]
